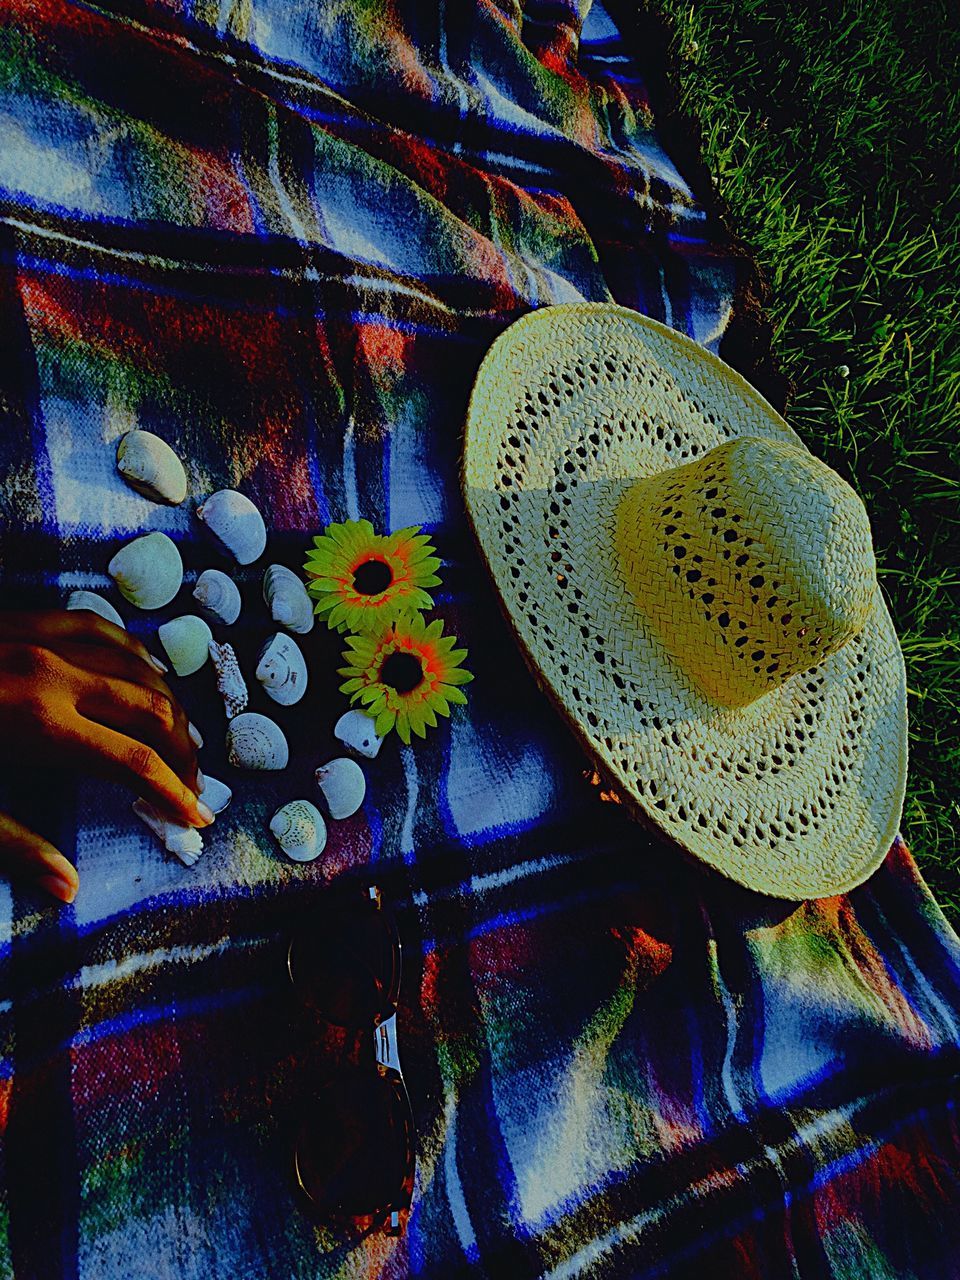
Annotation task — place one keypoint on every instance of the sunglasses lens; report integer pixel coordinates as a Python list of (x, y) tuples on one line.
[(354, 1151), (348, 966)]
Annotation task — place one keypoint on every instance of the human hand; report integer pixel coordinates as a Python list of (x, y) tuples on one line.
[(78, 692)]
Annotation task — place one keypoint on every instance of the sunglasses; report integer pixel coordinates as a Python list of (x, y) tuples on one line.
[(355, 1152)]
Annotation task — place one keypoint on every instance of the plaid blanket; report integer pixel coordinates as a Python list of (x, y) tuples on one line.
[(282, 236)]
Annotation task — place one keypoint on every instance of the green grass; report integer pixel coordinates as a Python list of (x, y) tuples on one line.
[(832, 134)]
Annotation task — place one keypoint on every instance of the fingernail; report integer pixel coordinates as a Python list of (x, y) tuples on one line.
[(205, 811), (201, 780), (195, 736), (58, 886), (158, 664)]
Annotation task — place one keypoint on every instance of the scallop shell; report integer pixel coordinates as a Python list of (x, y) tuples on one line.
[(233, 519), (300, 830), (255, 742), (185, 842), (150, 466), (343, 786), (230, 681), (287, 599), (355, 730), (187, 642), (216, 794), (95, 604), (148, 571), (282, 670), (218, 597)]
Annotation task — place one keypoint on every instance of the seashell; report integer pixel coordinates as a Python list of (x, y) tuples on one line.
[(233, 519), (218, 597), (255, 742), (187, 642), (95, 604), (215, 793), (287, 599), (343, 786), (148, 571), (150, 466), (355, 730), (300, 830), (230, 681), (282, 670), (185, 842)]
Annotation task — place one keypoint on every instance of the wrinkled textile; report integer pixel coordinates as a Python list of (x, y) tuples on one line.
[(282, 236)]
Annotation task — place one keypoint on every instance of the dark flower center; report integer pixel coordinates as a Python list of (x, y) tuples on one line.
[(401, 671), (372, 577)]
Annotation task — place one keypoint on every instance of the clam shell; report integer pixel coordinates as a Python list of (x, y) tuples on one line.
[(95, 604), (355, 730), (230, 681), (185, 842), (148, 571), (218, 597), (215, 793), (286, 598), (233, 519), (187, 642), (343, 786), (150, 466), (255, 742), (282, 670), (300, 830)]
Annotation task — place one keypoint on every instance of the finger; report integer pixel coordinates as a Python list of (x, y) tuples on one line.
[(79, 626), (137, 765), (148, 714), (26, 856)]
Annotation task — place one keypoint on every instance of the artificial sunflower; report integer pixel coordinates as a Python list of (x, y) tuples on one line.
[(363, 580), (405, 675)]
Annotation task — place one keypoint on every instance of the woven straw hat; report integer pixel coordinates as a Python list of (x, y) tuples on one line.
[(696, 590)]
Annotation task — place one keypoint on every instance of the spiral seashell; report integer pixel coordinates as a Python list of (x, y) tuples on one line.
[(343, 786), (148, 571), (255, 742), (282, 670), (150, 466), (300, 830), (185, 842), (216, 794), (235, 522), (286, 598), (94, 604), (187, 642), (230, 681), (355, 730), (218, 597)]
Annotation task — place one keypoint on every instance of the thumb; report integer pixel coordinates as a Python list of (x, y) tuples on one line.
[(25, 856)]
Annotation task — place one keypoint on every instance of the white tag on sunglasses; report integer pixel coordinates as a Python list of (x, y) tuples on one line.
[(385, 1043)]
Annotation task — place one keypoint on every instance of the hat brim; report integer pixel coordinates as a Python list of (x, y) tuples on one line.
[(797, 795)]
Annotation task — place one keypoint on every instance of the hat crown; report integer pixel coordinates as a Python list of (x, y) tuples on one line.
[(753, 563)]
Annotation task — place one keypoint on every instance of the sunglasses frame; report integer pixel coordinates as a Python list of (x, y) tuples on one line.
[(391, 1218)]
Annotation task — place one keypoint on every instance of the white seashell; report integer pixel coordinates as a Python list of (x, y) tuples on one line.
[(95, 604), (255, 742), (230, 681), (148, 571), (287, 599), (187, 642), (300, 830), (343, 786), (218, 597), (185, 842), (233, 519), (355, 730), (215, 793), (150, 466), (282, 670)]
